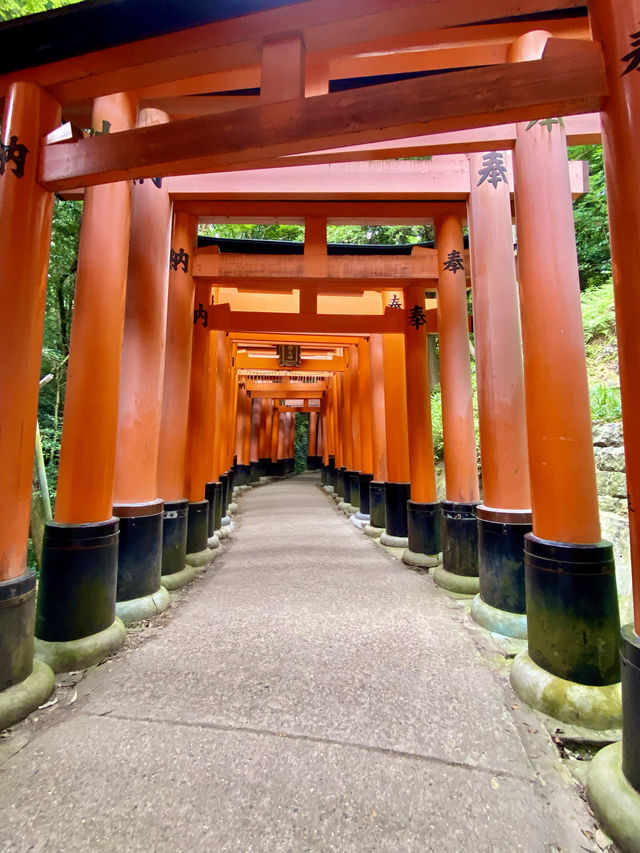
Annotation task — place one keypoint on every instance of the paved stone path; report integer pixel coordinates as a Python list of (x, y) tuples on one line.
[(308, 693)]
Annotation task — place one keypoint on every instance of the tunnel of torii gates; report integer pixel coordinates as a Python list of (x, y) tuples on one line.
[(188, 362)]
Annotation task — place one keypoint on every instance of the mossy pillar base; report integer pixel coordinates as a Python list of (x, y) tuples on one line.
[(460, 544), (615, 802), (354, 491), (501, 570), (139, 559), (572, 610), (331, 472), (324, 475), (21, 699), (174, 537), (630, 657), (17, 610), (424, 532), (396, 530)]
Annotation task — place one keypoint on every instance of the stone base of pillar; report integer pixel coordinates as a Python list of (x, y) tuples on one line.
[(328, 489), (615, 802), (232, 509), (136, 609), (419, 561), (591, 706), (393, 541), (346, 508), (501, 535), (213, 542), (572, 610), (396, 497), (499, 621), (630, 655), (372, 532), (76, 623), (424, 529), (140, 593), (24, 684), (462, 585), (460, 542), (174, 536), (360, 516), (357, 522), (71, 655), (21, 699), (377, 505), (201, 559), (179, 579)]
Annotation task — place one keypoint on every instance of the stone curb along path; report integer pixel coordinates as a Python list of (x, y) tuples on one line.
[(308, 692)]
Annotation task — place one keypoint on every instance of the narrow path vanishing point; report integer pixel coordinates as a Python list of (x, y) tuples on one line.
[(309, 693)]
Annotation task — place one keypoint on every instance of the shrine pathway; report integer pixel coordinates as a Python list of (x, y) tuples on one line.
[(308, 693)]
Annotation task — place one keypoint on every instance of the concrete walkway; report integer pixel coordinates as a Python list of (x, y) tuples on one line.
[(308, 693)]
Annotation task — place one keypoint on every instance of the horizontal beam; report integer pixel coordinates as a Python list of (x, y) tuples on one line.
[(308, 365), (561, 83), (393, 321), (311, 340), (274, 389), (231, 45), (290, 395)]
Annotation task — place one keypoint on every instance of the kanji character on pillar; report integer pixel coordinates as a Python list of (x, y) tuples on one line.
[(454, 261), (493, 169)]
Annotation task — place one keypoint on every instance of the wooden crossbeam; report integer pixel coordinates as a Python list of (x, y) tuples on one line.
[(557, 84), (308, 365), (393, 321), (275, 389)]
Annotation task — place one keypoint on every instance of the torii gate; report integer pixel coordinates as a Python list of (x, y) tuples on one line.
[(310, 60)]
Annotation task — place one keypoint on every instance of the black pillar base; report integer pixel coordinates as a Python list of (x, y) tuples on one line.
[(630, 656), (354, 477), (254, 472), (210, 496), (139, 549), (174, 536), (346, 491), (242, 476), (77, 590), (324, 475), (17, 608), (377, 504), (396, 496), (331, 471), (224, 480), (217, 505), (198, 527), (340, 481), (365, 503), (292, 465), (572, 610), (424, 527), (501, 557), (263, 466), (459, 538)]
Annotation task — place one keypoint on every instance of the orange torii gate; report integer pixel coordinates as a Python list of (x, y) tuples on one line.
[(304, 64)]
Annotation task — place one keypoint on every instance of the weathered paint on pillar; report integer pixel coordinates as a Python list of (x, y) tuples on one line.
[(143, 345), (88, 446), (275, 433), (497, 338), (614, 25), (177, 367), (421, 464), (561, 462), (354, 388), (395, 401), (25, 212), (460, 463)]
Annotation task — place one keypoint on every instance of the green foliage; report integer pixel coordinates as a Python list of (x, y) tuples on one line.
[(18, 8), (591, 221), (598, 313), (385, 235), (605, 402), (301, 441), (269, 231)]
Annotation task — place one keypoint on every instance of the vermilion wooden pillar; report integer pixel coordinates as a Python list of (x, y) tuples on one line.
[(398, 486), (76, 597), (572, 606), (282, 424), (175, 405), (615, 795), (423, 510), (275, 432), (135, 491), (355, 431), (377, 518), (459, 570), (25, 213), (364, 398), (212, 487), (265, 435), (505, 514), (254, 452), (312, 444)]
